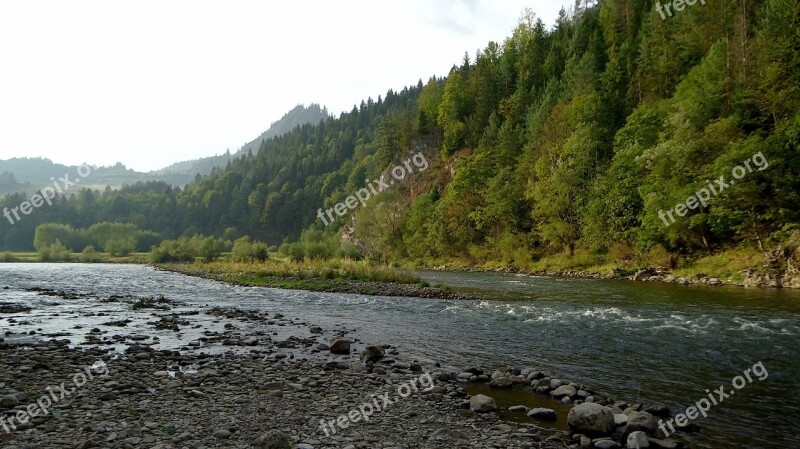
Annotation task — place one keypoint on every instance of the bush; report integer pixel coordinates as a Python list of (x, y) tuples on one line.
[(56, 252), (621, 253), (295, 251), (245, 249), (210, 249), (8, 257), (658, 256), (90, 255), (349, 251), (120, 247), (180, 250)]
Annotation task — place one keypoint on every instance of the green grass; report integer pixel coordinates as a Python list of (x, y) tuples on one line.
[(308, 274), (26, 257), (726, 265)]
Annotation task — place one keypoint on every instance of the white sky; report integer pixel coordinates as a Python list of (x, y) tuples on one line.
[(148, 83)]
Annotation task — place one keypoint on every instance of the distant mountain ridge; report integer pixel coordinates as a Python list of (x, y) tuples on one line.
[(25, 174), (185, 171)]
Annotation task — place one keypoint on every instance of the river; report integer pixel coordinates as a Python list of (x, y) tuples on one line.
[(655, 343)]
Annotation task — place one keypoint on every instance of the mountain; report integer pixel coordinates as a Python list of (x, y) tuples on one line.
[(181, 173), (614, 136), (34, 173)]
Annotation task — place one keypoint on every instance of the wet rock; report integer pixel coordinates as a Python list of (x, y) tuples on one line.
[(641, 421), (659, 410), (372, 354), (544, 414), (340, 346)]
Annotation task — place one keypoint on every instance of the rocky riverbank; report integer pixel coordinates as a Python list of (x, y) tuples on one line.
[(233, 378), (240, 389), (163, 399)]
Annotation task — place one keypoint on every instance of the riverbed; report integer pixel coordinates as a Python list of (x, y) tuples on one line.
[(655, 343)]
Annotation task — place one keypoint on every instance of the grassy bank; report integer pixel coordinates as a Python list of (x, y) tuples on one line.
[(29, 257), (726, 265), (336, 275)]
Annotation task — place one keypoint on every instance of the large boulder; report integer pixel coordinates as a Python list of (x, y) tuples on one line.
[(641, 421), (591, 419), (372, 354), (340, 346), (564, 390), (482, 404)]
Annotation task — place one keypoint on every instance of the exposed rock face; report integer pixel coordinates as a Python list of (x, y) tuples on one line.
[(781, 266)]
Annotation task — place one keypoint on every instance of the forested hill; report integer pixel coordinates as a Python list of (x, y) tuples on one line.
[(181, 173), (573, 140)]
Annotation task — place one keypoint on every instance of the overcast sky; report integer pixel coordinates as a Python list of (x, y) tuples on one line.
[(148, 83)]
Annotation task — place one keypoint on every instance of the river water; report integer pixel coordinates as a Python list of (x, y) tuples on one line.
[(655, 343)]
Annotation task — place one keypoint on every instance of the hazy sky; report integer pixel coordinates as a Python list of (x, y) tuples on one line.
[(148, 83)]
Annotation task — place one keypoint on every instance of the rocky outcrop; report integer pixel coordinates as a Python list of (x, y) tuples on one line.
[(781, 266)]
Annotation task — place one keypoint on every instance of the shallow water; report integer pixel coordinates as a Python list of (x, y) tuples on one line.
[(654, 343)]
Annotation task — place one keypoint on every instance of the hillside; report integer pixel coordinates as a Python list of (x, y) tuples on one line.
[(34, 173), (182, 173), (615, 136)]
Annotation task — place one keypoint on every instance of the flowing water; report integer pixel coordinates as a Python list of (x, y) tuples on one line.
[(655, 343)]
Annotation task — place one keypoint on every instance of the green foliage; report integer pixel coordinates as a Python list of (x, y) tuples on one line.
[(55, 252), (245, 249), (90, 255)]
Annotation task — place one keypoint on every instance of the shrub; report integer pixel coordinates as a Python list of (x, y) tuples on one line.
[(120, 247), (245, 249), (90, 255), (56, 252), (180, 250), (210, 249)]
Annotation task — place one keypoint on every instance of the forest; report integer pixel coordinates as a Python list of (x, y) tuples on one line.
[(563, 142)]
